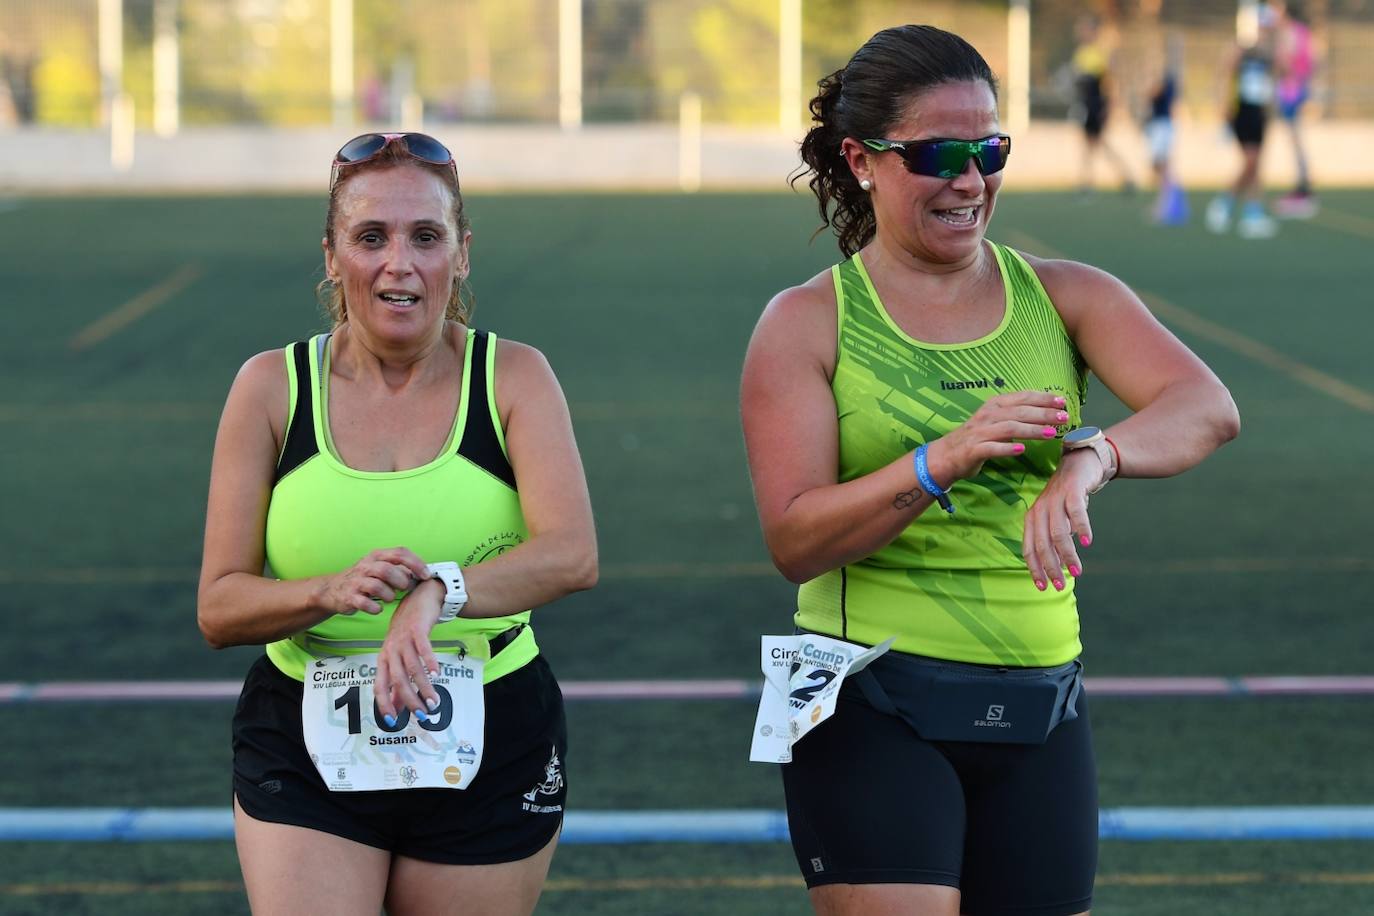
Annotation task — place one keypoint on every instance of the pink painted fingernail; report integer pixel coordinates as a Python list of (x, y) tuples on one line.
[(1018, 448), (1040, 584), (1059, 402), (1085, 540), (1047, 432), (1074, 571), (1058, 585), (1061, 416)]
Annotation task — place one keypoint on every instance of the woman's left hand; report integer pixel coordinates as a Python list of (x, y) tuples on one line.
[(406, 660), (1060, 513)]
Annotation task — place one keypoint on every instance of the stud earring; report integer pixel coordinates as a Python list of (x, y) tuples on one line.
[(866, 184)]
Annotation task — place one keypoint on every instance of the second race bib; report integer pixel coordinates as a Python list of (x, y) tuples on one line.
[(802, 678)]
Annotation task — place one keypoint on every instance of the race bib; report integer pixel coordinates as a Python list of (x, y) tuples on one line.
[(354, 749), (802, 675)]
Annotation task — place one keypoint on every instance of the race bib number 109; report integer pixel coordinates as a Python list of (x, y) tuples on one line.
[(355, 750)]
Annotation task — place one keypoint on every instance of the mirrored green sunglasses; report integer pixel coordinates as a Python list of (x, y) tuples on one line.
[(947, 158)]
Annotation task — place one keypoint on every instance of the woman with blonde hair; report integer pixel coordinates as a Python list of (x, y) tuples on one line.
[(413, 487)]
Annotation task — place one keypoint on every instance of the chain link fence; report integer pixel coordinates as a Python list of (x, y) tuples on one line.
[(268, 62)]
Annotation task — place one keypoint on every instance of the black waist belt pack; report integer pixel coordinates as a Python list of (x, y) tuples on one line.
[(951, 701)]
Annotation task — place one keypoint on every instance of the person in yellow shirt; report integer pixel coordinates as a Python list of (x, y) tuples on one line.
[(1092, 81), (415, 489)]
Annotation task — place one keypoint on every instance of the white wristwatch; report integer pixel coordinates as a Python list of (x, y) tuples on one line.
[(1095, 439), (455, 590)]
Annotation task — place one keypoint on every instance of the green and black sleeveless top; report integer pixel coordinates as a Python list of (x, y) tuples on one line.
[(950, 586), (324, 516)]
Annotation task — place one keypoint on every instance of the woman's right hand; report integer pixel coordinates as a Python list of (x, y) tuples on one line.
[(993, 431), (371, 582)]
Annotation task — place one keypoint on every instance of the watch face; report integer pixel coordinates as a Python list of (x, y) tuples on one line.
[(1081, 436)]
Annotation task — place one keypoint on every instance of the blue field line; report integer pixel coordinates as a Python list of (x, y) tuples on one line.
[(1328, 822)]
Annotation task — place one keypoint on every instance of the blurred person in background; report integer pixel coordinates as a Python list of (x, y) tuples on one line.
[(1248, 93), (1171, 203), (1294, 63), (1093, 88), (914, 420), (415, 488)]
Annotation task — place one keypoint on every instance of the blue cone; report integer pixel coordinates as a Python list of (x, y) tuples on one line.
[(1175, 211)]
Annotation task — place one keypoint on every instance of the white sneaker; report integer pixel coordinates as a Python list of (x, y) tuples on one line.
[(1219, 215), (1257, 226)]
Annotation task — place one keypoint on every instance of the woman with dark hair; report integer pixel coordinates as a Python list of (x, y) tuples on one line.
[(414, 487), (921, 467)]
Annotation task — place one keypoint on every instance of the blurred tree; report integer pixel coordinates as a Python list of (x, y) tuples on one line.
[(723, 50), (214, 56), (617, 73), (138, 59), (286, 59), (470, 60)]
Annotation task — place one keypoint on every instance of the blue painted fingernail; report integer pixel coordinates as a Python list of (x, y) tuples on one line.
[(420, 714), (390, 721)]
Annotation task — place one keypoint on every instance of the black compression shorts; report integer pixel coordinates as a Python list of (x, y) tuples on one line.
[(1014, 826), (492, 820)]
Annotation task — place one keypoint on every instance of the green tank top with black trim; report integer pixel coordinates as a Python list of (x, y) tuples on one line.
[(462, 506), (949, 586)]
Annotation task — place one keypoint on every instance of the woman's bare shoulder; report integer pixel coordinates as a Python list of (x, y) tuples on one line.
[(263, 376)]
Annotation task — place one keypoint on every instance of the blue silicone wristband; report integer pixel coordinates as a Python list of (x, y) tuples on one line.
[(928, 483)]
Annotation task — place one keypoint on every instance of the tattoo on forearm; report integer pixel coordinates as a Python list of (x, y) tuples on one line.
[(907, 499)]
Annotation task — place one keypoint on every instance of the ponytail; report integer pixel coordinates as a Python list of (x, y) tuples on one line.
[(832, 181)]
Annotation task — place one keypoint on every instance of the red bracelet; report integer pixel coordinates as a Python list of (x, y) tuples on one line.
[(1118, 454)]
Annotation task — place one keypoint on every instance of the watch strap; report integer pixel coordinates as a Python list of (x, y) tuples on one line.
[(455, 589), (1106, 453)]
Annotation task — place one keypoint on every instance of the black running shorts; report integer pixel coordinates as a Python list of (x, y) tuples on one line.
[(492, 820), (1013, 826), (1094, 117), (1248, 124)]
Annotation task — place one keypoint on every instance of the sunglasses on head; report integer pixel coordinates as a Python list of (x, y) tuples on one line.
[(368, 146), (943, 158)]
